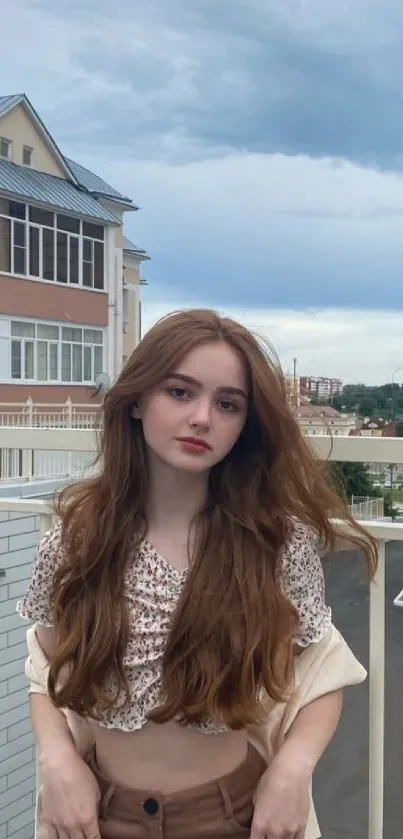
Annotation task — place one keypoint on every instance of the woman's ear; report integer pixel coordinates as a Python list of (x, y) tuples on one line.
[(136, 413)]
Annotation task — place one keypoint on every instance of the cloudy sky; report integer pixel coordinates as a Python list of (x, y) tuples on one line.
[(263, 141)]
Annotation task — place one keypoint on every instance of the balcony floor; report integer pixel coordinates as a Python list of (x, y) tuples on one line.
[(341, 782)]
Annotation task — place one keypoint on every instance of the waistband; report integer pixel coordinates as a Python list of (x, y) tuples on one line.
[(127, 802)]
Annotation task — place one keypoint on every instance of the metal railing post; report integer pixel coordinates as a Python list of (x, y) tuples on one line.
[(377, 698)]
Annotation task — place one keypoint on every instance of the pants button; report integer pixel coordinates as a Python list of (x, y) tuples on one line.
[(150, 806)]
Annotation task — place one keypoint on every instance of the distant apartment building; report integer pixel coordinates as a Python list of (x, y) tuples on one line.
[(322, 387), (70, 280), (314, 420)]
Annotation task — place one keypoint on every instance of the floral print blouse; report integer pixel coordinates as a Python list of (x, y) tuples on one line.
[(153, 587)]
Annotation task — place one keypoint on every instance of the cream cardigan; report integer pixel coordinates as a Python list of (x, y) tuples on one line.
[(321, 668)]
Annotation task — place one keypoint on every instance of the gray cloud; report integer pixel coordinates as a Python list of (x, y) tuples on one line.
[(230, 123), (195, 79)]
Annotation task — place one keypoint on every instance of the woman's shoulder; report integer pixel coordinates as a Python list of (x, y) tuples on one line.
[(50, 551)]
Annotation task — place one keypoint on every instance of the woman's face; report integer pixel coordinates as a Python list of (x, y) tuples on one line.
[(193, 419)]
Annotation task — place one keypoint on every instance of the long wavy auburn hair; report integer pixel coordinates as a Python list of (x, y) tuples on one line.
[(231, 636)]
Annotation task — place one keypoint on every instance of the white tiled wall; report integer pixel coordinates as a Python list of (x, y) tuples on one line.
[(18, 538)]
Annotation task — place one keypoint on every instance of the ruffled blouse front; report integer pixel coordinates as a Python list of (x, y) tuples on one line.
[(152, 589)]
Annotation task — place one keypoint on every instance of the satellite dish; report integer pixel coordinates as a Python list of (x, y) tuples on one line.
[(102, 383)]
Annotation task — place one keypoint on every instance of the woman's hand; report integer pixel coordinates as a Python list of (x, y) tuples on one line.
[(282, 801), (69, 796)]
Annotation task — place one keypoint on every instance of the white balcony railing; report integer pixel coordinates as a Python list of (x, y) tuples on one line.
[(366, 508), (32, 414), (353, 449)]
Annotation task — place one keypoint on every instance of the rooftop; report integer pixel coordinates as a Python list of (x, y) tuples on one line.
[(97, 186), (376, 423), (305, 409), (78, 193), (8, 102), (30, 185), (132, 248)]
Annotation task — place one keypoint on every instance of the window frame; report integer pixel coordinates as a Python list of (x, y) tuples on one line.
[(80, 350), (9, 143), (30, 150), (50, 234)]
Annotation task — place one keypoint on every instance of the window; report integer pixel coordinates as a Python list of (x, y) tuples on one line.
[(61, 259), (27, 153), (73, 259), (5, 244), (72, 225), (51, 246), (93, 264), (34, 270), (47, 352), (22, 351), (6, 147), (17, 210), (43, 217), (48, 254), (51, 353), (19, 247), (93, 231)]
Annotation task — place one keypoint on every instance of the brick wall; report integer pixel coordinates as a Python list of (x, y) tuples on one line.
[(18, 538)]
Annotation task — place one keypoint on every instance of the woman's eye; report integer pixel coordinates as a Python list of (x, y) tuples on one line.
[(227, 407), (179, 392)]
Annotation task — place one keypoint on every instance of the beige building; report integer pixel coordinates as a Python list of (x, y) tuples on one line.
[(70, 302), (323, 419), (379, 428), (132, 282)]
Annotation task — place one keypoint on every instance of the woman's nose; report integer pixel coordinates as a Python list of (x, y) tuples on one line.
[(201, 414)]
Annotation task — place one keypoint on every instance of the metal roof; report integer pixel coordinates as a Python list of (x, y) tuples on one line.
[(7, 102), (39, 187), (93, 183), (78, 175), (130, 246)]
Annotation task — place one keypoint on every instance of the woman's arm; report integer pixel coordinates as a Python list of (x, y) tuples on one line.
[(311, 732), (69, 792), (282, 799), (52, 733)]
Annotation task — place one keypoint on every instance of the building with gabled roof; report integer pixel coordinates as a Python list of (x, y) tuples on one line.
[(69, 278), (323, 419)]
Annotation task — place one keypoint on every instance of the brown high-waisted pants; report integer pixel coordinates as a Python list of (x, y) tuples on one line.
[(219, 808)]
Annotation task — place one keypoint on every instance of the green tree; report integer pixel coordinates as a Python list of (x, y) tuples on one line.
[(376, 401), (379, 401), (368, 406), (389, 508), (353, 479)]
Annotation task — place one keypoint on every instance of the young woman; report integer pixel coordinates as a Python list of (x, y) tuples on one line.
[(174, 594)]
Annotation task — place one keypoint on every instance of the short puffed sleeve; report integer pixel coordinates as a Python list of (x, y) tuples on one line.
[(303, 583), (36, 604)]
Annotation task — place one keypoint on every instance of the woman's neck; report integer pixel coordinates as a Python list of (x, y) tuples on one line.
[(174, 497)]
